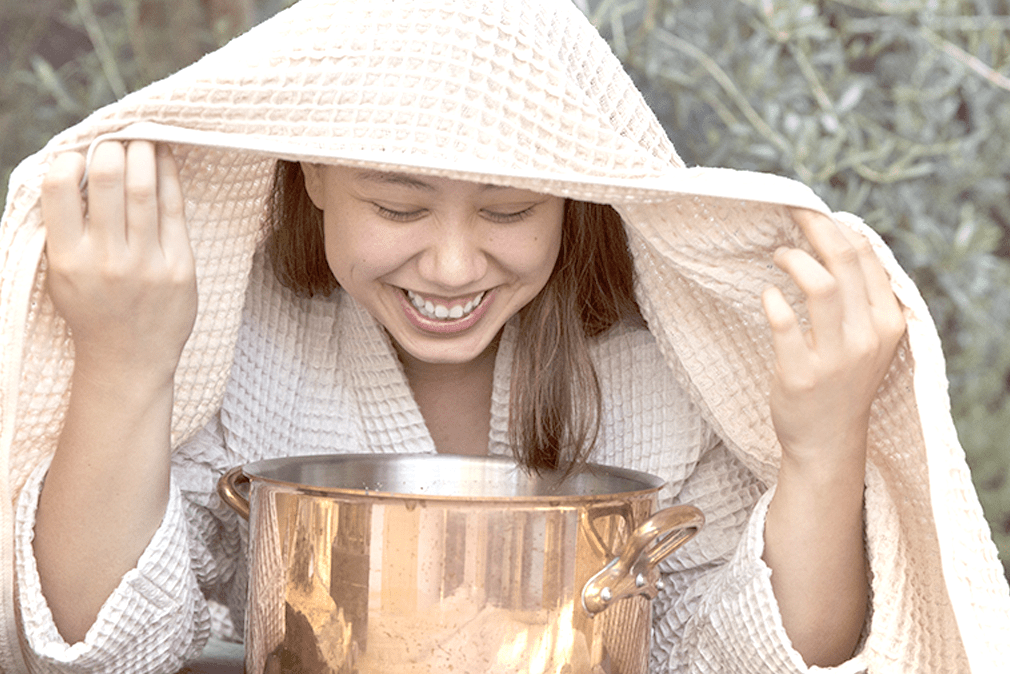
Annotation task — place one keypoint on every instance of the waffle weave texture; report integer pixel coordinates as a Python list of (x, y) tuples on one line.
[(522, 93)]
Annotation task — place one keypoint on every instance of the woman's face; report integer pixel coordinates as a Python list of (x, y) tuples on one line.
[(441, 263)]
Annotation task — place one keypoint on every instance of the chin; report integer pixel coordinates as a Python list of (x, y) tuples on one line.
[(452, 351)]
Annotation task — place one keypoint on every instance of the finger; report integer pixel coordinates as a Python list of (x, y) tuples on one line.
[(171, 207), (840, 258), (878, 282), (885, 309), (788, 340), (62, 205), (821, 288), (141, 188), (106, 222)]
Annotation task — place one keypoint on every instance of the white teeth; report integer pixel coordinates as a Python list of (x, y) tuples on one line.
[(441, 312)]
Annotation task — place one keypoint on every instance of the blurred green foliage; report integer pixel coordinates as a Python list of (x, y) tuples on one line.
[(897, 110)]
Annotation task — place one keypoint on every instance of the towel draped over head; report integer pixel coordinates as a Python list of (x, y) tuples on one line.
[(522, 93)]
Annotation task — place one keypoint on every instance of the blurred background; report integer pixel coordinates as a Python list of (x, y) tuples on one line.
[(897, 110)]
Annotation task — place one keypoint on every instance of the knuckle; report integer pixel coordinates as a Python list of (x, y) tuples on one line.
[(115, 271), (58, 178), (154, 272), (61, 270), (867, 346), (823, 288), (899, 326), (800, 383), (894, 336), (894, 326), (105, 175), (891, 325), (172, 209), (181, 276), (846, 254), (63, 261), (141, 193), (781, 324), (863, 247)]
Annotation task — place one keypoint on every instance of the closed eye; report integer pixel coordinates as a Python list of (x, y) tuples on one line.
[(506, 218), (399, 216)]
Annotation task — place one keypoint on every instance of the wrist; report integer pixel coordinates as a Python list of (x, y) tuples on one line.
[(818, 500), (824, 481), (122, 374), (117, 427), (833, 454)]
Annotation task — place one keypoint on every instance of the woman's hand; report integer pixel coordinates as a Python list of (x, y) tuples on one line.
[(826, 378), (121, 270), (121, 274)]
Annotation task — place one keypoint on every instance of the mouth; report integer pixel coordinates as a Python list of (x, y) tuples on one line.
[(437, 311), (445, 316)]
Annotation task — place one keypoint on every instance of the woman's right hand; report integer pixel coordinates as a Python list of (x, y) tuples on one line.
[(121, 270), (121, 274)]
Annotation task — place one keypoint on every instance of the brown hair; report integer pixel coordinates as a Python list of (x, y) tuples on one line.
[(554, 411)]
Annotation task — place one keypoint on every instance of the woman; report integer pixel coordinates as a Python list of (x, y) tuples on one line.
[(420, 116)]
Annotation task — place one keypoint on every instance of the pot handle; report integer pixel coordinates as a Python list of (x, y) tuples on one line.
[(228, 490), (630, 573), (603, 547)]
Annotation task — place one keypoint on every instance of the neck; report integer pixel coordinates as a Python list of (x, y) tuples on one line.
[(454, 399)]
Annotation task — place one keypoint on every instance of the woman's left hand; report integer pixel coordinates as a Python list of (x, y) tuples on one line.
[(826, 377)]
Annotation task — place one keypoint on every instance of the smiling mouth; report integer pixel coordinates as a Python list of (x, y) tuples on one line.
[(437, 311)]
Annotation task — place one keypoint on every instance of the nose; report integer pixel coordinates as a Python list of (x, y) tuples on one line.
[(454, 258)]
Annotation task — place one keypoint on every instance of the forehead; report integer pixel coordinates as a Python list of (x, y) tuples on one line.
[(417, 182)]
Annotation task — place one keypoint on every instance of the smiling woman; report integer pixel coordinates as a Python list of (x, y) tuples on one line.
[(445, 268), (410, 247)]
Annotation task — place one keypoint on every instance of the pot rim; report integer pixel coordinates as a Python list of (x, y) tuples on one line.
[(639, 483)]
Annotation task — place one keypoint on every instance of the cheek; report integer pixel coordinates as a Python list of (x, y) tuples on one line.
[(334, 241), (550, 247), (545, 247), (532, 250), (354, 253), (530, 259), (340, 267)]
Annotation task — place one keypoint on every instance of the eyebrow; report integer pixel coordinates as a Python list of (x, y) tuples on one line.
[(406, 180)]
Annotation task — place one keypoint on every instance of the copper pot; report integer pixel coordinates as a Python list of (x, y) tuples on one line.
[(406, 564)]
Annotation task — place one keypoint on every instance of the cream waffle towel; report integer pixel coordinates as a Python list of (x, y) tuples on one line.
[(522, 93)]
